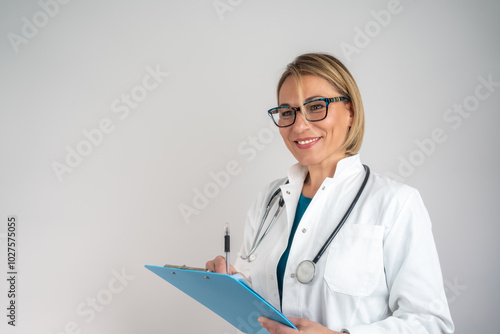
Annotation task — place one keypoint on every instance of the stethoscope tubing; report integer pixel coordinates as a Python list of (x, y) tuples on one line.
[(343, 220), (257, 241), (281, 203)]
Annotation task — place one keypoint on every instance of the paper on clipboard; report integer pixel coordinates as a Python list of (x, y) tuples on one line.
[(228, 296)]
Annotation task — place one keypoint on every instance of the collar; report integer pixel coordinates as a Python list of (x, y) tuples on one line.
[(345, 168), (297, 173)]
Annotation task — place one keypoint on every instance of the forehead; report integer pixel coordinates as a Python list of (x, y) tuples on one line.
[(310, 85)]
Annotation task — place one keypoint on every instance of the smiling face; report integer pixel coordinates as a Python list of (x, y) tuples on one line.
[(315, 144)]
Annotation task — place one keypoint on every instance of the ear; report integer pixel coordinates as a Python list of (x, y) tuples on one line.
[(349, 108)]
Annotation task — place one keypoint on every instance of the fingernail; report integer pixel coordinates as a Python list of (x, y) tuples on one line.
[(260, 319)]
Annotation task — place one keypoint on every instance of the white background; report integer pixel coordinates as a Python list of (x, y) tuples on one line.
[(119, 208)]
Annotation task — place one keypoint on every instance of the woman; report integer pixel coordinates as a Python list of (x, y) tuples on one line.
[(381, 272)]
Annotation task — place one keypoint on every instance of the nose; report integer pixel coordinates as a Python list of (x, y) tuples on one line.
[(301, 124)]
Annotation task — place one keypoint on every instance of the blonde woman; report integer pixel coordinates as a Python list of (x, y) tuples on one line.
[(348, 251)]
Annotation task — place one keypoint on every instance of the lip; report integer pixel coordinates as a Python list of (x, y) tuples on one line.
[(309, 142)]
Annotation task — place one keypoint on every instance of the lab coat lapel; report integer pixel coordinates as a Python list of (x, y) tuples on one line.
[(291, 191)]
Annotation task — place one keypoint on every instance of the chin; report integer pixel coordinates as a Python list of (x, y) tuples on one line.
[(307, 161)]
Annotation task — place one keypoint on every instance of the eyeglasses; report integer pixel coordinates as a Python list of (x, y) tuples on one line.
[(315, 111)]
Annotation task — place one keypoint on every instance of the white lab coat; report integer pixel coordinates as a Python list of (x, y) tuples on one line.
[(381, 274)]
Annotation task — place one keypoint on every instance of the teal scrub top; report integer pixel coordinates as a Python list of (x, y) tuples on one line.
[(280, 271)]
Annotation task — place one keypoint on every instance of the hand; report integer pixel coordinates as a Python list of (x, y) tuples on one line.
[(303, 325), (218, 265)]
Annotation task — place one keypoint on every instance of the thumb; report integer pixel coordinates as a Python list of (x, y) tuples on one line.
[(275, 327)]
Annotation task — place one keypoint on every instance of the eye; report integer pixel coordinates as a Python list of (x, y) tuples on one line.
[(315, 107), (286, 113)]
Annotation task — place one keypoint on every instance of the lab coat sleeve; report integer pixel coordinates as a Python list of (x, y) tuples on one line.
[(413, 275)]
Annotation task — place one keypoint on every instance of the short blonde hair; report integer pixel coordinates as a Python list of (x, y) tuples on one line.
[(332, 70)]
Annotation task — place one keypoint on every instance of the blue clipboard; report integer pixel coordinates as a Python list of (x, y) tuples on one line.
[(226, 295)]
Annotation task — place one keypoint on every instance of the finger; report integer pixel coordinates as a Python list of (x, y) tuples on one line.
[(298, 322), (210, 265), (233, 271), (275, 327), (220, 265), (215, 264)]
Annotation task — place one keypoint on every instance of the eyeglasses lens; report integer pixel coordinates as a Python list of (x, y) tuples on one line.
[(315, 111)]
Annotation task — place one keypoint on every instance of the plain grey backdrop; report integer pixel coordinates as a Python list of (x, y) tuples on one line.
[(132, 131)]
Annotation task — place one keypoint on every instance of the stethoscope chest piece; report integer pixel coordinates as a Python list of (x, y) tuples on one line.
[(305, 272)]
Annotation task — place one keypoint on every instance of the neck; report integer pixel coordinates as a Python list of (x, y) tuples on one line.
[(317, 174)]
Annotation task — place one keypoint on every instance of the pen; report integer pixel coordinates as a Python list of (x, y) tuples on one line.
[(227, 247)]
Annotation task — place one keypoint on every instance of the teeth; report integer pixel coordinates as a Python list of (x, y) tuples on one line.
[(307, 141)]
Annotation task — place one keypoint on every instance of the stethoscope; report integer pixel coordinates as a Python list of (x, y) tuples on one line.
[(306, 270)]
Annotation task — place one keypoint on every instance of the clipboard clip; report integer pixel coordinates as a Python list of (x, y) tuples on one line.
[(184, 267)]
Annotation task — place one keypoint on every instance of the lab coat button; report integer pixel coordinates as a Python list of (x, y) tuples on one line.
[(287, 192), (252, 258), (323, 188), (292, 275), (304, 230)]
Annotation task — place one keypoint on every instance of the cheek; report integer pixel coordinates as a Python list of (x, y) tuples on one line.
[(343, 121), (284, 133)]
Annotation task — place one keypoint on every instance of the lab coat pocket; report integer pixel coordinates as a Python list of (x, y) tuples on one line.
[(355, 260)]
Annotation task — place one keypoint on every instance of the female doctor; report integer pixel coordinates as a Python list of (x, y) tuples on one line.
[(379, 271)]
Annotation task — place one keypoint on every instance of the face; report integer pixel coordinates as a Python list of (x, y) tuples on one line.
[(315, 144)]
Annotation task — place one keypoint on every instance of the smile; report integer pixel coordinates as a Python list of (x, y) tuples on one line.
[(308, 141)]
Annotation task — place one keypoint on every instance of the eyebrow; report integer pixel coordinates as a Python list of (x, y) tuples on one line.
[(313, 98), (307, 100)]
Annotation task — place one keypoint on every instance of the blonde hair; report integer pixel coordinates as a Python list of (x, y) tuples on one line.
[(332, 70)]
